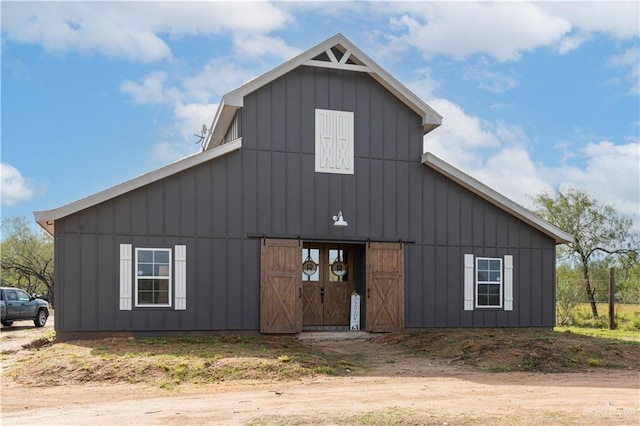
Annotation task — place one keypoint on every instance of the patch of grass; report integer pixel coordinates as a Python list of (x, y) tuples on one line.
[(390, 416), (507, 349), (168, 362), (627, 316), (604, 333)]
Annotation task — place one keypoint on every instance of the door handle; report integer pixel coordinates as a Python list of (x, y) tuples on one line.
[(300, 292), (368, 293), (321, 294)]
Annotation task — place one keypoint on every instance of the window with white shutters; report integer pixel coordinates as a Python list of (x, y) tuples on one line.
[(488, 282)]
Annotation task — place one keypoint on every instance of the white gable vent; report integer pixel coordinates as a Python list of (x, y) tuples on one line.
[(334, 141)]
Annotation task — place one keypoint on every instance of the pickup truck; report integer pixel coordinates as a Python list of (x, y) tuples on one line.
[(18, 305)]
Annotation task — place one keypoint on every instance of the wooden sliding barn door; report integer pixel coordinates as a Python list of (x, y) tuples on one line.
[(280, 286), (385, 287)]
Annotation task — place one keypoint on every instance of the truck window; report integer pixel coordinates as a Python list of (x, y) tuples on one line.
[(23, 296)]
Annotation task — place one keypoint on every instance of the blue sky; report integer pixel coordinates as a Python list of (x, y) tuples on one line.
[(535, 96)]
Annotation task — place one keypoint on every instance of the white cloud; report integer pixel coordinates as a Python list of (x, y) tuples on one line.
[(131, 30), (617, 19), (496, 153), (571, 42), (60, 28), (502, 30), (187, 124), (630, 59), (215, 79), (492, 152), (512, 172), (505, 30), (150, 90), (191, 117), (610, 172), (490, 80), (190, 103), (253, 45), (14, 187), (423, 84)]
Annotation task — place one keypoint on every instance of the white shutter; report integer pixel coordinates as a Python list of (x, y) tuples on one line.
[(468, 282), (508, 283), (125, 277), (181, 277)]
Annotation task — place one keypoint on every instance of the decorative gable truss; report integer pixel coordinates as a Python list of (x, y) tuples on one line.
[(338, 57)]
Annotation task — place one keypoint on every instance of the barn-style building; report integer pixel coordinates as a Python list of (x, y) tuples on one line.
[(311, 185)]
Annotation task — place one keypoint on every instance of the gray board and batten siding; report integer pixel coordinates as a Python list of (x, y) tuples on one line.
[(219, 210)]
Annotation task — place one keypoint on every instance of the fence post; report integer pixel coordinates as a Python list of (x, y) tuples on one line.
[(612, 296)]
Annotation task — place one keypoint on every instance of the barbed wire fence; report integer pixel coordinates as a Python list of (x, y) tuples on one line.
[(573, 306)]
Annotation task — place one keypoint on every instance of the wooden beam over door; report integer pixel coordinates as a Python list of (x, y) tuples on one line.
[(280, 286), (385, 287)]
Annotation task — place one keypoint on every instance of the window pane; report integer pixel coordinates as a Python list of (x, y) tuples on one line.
[(161, 256), (162, 270), (162, 297), (145, 269), (493, 301), (162, 285), (482, 300), (23, 295), (495, 264), (483, 264), (145, 256), (483, 276), (494, 289), (494, 276), (145, 297), (314, 254), (145, 285)]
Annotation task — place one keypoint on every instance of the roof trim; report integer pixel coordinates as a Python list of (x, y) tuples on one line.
[(235, 99), (496, 198), (46, 219)]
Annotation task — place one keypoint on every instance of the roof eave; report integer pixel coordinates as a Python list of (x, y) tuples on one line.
[(46, 218), (221, 122), (495, 198)]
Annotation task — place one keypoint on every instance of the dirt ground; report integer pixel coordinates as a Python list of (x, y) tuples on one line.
[(397, 389)]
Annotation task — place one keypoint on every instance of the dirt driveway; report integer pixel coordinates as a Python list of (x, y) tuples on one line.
[(398, 389), (22, 333)]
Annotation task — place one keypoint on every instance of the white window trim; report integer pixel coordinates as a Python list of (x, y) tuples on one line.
[(170, 295), (478, 282)]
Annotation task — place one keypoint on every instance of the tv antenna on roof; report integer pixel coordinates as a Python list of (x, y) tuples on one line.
[(202, 135)]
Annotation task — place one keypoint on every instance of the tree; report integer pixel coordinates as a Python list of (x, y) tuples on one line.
[(27, 257), (599, 231)]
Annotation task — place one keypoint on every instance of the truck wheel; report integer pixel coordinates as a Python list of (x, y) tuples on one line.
[(7, 323), (41, 318)]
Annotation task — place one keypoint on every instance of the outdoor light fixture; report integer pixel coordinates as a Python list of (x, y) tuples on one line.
[(339, 220)]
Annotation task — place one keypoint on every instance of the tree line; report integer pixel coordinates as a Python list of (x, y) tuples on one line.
[(603, 238)]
